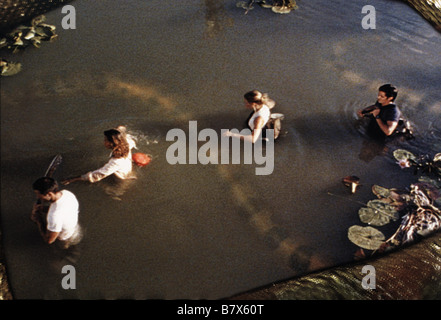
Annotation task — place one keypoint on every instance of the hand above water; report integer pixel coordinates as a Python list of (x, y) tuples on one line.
[(70, 180), (227, 133), (368, 111)]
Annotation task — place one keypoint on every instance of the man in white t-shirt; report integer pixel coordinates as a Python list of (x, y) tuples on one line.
[(61, 221)]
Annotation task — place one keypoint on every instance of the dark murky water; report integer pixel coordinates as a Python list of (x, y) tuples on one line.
[(207, 231)]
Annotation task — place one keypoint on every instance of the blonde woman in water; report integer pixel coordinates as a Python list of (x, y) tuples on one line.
[(261, 106)]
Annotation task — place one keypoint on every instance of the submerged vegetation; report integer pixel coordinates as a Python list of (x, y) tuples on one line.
[(277, 6), (419, 207)]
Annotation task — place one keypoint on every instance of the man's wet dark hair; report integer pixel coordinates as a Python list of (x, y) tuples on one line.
[(45, 185), (389, 90)]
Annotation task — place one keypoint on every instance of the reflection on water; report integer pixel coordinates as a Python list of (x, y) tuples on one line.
[(216, 18), (116, 188), (142, 92), (195, 231), (101, 85)]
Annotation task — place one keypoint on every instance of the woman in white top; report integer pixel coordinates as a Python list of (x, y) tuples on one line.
[(261, 104), (120, 163)]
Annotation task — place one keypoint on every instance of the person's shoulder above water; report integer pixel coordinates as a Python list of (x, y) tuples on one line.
[(391, 112)]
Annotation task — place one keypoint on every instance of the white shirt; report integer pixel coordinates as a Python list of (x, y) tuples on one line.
[(62, 216), (263, 112), (121, 167)]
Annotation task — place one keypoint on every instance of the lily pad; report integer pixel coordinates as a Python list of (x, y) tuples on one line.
[(9, 68), (3, 42), (377, 213), (380, 191), (282, 9), (403, 155), (366, 237), (263, 4)]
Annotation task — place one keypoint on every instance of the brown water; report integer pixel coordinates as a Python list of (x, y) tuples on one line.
[(207, 231)]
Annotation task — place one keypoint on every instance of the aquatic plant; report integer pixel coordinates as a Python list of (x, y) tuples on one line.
[(366, 237), (419, 209), (8, 68), (422, 216), (29, 35), (423, 163), (378, 213), (22, 37), (277, 6), (419, 206)]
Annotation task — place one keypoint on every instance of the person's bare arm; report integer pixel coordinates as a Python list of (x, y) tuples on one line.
[(258, 126), (50, 236), (389, 127)]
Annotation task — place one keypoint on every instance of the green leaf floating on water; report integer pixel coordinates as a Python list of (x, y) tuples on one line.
[(281, 10), (377, 213), (9, 68), (366, 237), (380, 191), (403, 155)]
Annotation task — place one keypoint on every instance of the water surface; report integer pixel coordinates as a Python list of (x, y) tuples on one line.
[(208, 231)]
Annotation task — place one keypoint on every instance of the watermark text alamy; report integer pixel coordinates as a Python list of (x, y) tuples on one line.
[(217, 148)]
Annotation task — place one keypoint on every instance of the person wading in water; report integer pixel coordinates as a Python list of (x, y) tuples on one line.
[(384, 113), (261, 105)]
